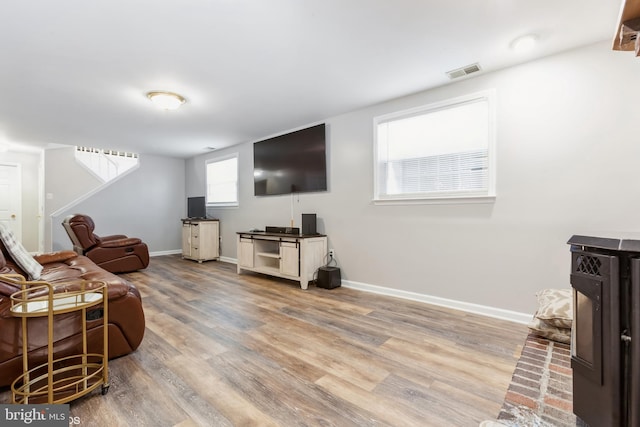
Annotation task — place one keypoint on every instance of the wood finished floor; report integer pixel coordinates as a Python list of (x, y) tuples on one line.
[(223, 349)]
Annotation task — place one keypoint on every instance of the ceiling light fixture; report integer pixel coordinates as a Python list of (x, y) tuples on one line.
[(524, 43), (166, 100)]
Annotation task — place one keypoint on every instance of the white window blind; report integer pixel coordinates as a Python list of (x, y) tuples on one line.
[(222, 181), (438, 151), (445, 172)]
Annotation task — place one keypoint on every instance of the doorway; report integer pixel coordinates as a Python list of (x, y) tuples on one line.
[(11, 197)]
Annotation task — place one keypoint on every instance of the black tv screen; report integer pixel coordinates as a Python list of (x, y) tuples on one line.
[(292, 163), (196, 207)]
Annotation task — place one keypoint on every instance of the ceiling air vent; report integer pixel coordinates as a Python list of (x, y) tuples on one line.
[(464, 71)]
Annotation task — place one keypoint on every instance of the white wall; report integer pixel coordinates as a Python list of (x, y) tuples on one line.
[(65, 181), (568, 161), (146, 203)]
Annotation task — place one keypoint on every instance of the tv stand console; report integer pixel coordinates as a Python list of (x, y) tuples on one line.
[(289, 256)]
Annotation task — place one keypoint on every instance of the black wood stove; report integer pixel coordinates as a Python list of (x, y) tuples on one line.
[(605, 342)]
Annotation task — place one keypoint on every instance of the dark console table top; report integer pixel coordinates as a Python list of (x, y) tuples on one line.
[(629, 242), (264, 233)]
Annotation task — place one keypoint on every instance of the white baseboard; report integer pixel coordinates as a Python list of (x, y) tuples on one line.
[(179, 252), (160, 253), (484, 310)]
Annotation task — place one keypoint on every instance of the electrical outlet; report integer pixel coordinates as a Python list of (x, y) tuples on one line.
[(332, 253)]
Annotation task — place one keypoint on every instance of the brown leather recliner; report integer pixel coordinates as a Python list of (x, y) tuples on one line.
[(116, 253), (63, 270)]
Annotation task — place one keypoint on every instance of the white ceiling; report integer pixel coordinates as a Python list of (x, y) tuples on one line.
[(76, 72)]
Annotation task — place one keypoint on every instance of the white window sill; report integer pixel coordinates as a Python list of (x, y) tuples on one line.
[(223, 205), (452, 200)]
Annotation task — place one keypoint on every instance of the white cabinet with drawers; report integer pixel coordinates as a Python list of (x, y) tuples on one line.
[(200, 239)]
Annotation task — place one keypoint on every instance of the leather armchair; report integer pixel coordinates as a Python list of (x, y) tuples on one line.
[(63, 270), (116, 253)]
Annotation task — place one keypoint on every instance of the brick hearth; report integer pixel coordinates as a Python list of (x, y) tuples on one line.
[(540, 392)]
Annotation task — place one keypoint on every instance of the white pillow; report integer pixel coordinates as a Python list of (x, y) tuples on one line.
[(20, 254), (555, 307)]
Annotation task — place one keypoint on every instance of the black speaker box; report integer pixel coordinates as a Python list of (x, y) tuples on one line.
[(282, 230), (309, 224), (328, 277)]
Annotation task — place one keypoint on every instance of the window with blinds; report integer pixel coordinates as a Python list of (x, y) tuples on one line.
[(442, 151), (222, 181)]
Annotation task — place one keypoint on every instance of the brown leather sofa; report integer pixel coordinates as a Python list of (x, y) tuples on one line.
[(116, 253), (126, 317)]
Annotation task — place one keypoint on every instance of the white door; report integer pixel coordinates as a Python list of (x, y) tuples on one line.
[(289, 258), (245, 253), (186, 239), (11, 198)]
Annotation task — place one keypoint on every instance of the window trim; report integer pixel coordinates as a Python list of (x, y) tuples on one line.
[(206, 179), (487, 196)]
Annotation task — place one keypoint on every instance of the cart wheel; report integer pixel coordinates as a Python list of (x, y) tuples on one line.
[(105, 389)]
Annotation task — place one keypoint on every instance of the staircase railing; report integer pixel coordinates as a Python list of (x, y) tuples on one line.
[(105, 164)]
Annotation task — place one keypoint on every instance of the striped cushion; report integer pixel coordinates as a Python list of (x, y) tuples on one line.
[(20, 254)]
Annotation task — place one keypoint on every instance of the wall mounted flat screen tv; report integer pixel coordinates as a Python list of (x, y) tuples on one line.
[(196, 207), (292, 163)]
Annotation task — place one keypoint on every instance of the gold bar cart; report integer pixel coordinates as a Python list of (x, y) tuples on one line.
[(66, 378)]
